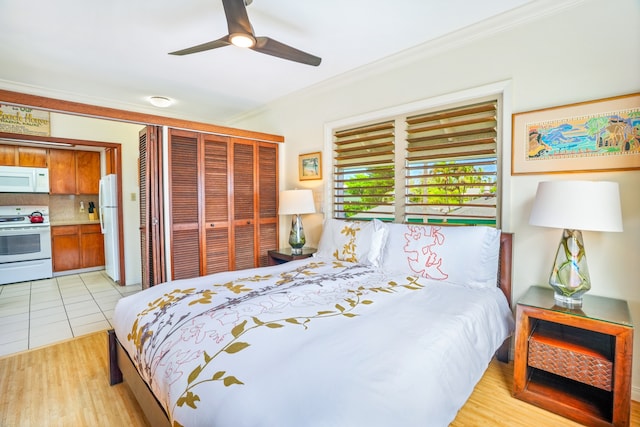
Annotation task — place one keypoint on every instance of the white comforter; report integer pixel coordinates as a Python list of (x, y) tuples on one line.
[(314, 342)]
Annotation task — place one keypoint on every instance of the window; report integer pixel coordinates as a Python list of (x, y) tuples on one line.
[(364, 173), (451, 165), (449, 160)]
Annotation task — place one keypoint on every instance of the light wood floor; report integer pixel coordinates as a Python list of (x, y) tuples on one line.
[(67, 384), (491, 404)]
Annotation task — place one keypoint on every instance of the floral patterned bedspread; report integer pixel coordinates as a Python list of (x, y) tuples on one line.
[(314, 342)]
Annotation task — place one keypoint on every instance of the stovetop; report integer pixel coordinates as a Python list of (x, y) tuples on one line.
[(13, 216)]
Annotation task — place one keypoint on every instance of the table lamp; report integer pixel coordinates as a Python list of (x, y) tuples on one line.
[(296, 202), (575, 206)]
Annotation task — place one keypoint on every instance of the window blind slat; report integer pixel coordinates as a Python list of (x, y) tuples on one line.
[(385, 154), (360, 166), (464, 111), (389, 125), (451, 157), (376, 137), (386, 145), (438, 126), (451, 137), (469, 163)]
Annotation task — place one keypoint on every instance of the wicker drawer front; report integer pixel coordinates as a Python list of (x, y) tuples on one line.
[(571, 363)]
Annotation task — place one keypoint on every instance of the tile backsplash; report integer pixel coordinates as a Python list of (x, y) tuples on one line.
[(67, 207), (24, 199)]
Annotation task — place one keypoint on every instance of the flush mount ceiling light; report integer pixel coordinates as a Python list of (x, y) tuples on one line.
[(160, 101)]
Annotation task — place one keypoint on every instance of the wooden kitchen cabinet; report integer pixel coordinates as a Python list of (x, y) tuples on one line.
[(14, 155), (91, 245), (62, 172), (8, 155), (109, 155), (74, 172), (87, 172), (65, 248), (76, 246)]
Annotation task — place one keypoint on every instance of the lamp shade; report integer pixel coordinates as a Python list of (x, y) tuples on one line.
[(294, 202), (577, 205)]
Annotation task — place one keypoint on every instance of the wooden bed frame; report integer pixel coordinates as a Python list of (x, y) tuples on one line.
[(121, 368)]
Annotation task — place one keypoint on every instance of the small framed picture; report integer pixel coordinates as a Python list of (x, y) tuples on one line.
[(310, 166)]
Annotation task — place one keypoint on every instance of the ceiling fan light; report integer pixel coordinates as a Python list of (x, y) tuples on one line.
[(242, 40), (160, 101)]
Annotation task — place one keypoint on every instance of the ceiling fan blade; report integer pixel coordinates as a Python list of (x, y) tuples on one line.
[(275, 48), (221, 42), (237, 18)]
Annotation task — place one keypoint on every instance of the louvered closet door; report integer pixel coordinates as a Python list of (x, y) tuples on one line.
[(151, 209), (244, 205), (216, 200), (267, 200), (146, 251), (184, 172)]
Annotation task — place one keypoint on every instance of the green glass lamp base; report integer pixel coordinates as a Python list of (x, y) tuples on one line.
[(569, 302), (296, 236), (570, 275)]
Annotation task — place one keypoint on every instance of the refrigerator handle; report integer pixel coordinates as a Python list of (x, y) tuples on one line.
[(100, 206)]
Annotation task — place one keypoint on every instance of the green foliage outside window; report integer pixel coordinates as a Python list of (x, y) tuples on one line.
[(438, 184), (367, 190)]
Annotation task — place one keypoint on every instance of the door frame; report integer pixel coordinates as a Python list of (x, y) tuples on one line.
[(116, 166)]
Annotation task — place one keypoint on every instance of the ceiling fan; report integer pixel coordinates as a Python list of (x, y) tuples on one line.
[(241, 34)]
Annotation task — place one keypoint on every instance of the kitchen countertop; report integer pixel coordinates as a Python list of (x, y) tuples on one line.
[(73, 222)]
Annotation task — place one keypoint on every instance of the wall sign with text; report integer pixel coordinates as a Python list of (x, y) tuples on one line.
[(24, 120)]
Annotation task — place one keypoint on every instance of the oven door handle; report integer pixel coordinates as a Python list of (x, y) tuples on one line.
[(24, 231)]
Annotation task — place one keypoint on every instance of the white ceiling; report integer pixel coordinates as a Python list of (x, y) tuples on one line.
[(115, 53)]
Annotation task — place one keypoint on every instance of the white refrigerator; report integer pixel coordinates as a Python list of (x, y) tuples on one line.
[(108, 210)]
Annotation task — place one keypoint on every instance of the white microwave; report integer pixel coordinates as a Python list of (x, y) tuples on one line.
[(18, 179)]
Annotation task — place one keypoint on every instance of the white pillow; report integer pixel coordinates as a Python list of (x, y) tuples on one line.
[(461, 255), (353, 241)]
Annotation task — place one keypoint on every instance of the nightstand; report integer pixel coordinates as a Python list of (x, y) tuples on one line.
[(280, 256), (575, 362)]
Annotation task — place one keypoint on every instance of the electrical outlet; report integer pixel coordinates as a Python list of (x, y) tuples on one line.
[(133, 197)]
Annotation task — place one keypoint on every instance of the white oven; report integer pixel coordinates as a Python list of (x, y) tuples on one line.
[(25, 247), (24, 243)]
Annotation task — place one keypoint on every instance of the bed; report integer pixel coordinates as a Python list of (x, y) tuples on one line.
[(388, 324)]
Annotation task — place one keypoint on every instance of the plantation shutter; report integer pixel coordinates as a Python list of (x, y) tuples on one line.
[(152, 242), (183, 184), (363, 177), (267, 204), (216, 224), (451, 165), (244, 202)]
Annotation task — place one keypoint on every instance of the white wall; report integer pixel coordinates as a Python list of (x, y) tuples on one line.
[(585, 52), (70, 126)]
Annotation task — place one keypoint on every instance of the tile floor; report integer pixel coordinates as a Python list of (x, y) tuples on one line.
[(42, 312)]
